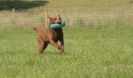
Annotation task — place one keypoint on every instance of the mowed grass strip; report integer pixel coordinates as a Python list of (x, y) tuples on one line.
[(90, 52), (87, 3)]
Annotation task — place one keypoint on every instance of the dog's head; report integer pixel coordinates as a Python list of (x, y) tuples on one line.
[(55, 19)]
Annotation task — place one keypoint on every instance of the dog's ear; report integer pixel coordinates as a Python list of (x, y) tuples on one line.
[(49, 17), (59, 16)]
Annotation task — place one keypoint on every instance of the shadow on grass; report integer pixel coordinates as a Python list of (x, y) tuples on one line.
[(18, 4), (55, 53)]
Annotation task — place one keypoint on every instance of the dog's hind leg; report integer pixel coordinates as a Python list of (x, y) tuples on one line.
[(41, 45), (45, 45), (40, 48)]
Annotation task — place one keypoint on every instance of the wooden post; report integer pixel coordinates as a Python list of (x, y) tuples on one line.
[(46, 19), (13, 13)]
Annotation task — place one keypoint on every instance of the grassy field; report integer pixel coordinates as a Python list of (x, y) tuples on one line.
[(98, 40), (88, 4), (90, 52)]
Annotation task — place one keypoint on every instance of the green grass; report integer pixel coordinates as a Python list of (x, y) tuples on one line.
[(88, 4), (90, 52)]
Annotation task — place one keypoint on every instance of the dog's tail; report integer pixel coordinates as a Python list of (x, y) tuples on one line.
[(37, 29)]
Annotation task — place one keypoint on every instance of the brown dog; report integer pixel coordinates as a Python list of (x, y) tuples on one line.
[(49, 36)]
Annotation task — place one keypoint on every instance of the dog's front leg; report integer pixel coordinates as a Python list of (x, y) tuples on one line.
[(52, 42), (62, 47), (45, 45), (40, 46)]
